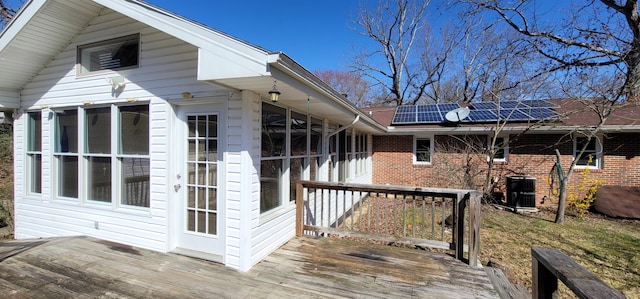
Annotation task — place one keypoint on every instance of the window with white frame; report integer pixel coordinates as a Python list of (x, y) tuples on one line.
[(273, 147), (298, 150), (315, 150), (65, 153), (422, 150), (500, 148), (97, 154), (34, 152), (345, 155), (114, 54), (591, 156), (361, 153), (105, 149), (133, 156)]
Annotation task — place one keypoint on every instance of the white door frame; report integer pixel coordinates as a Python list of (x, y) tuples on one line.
[(201, 245)]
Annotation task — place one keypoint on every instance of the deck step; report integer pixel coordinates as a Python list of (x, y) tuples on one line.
[(504, 287)]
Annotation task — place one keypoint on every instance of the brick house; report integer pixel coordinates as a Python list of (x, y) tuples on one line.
[(454, 155)]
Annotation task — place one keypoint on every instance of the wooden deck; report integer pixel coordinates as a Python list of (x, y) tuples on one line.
[(303, 268)]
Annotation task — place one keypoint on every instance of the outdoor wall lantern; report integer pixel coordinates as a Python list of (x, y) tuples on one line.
[(274, 92)]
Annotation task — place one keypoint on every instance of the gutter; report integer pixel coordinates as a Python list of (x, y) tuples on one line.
[(345, 127), (542, 129), (294, 69)]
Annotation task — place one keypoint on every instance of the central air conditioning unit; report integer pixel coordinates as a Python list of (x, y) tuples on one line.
[(521, 191)]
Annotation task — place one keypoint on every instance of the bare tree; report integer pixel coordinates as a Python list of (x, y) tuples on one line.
[(351, 84), (6, 13), (485, 64), (589, 36), (404, 62)]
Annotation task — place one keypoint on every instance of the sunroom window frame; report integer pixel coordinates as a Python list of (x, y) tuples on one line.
[(30, 152), (59, 153), (84, 71), (115, 156)]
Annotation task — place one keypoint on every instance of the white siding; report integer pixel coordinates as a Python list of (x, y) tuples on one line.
[(269, 236), (9, 99), (167, 68), (243, 183)]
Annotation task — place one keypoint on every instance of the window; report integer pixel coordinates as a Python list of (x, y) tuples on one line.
[(34, 152), (112, 54), (298, 152), (202, 180), (422, 149), (133, 155), (274, 128), (315, 152), (501, 148), (333, 153), (591, 156), (97, 153), (361, 153), (106, 150), (66, 153)]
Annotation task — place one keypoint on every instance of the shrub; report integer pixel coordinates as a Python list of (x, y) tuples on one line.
[(580, 198)]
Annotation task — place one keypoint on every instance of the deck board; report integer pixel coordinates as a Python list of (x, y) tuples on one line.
[(303, 268)]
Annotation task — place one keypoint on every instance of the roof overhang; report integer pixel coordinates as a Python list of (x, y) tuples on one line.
[(43, 28), (544, 129)]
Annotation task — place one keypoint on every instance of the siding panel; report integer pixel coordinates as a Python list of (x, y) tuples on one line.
[(167, 68)]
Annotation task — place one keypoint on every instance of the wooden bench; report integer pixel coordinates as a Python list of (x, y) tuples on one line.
[(549, 265)]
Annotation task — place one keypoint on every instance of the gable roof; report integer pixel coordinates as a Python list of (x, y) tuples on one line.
[(574, 115), (43, 28)]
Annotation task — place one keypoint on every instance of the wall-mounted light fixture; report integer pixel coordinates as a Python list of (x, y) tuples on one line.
[(117, 82), (274, 92)]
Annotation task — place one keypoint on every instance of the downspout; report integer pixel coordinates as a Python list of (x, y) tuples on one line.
[(345, 127), (325, 142)]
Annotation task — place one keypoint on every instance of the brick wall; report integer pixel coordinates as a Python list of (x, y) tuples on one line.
[(454, 165)]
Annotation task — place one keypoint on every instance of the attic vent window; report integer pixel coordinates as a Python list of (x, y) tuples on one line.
[(111, 54)]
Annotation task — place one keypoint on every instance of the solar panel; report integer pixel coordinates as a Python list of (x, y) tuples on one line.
[(405, 109), (540, 104), (482, 115), (484, 105), (427, 108), (511, 104), (429, 117), (404, 118), (513, 114), (481, 112), (444, 108), (541, 113)]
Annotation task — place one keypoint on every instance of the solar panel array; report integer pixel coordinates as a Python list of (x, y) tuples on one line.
[(530, 110)]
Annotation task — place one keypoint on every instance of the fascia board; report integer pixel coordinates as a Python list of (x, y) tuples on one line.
[(19, 21), (9, 99), (188, 31), (543, 129), (285, 64)]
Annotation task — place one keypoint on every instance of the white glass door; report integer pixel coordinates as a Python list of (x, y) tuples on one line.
[(201, 219)]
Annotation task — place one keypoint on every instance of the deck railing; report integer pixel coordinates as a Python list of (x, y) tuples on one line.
[(549, 265), (427, 217)]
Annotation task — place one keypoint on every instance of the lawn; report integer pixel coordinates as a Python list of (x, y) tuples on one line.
[(609, 248)]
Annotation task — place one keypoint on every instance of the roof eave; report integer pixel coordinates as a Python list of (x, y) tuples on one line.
[(290, 67), (515, 129)]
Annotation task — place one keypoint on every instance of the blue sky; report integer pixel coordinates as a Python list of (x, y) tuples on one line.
[(317, 34)]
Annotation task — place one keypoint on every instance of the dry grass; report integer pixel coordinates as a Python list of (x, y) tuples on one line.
[(609, 248), (6, 175)]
